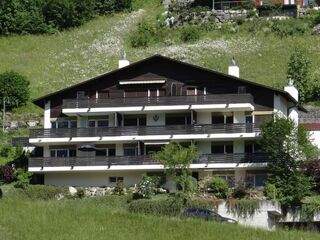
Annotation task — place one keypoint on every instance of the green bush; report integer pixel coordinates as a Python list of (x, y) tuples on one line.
[(270, 191), (206, 203), (242, 207), (119, 188), (22, 178), (146, 188), (14, 88), (219, 187), (168, 207), (143, 36), (316, 20), (310, 206), (63, 14), (41, 192), (190, 34)]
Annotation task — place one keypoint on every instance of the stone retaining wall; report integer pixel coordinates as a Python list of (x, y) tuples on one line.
[(214, 16)]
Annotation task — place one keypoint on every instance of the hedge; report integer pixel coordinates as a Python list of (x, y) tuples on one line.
[(168, 207)]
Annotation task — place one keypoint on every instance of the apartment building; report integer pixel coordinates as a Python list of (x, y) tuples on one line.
[(105, 129)]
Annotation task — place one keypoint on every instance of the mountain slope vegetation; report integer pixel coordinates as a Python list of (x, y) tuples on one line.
[(55, 61)]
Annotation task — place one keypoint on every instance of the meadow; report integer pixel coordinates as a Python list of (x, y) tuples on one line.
[(55, 61), (100, 218)]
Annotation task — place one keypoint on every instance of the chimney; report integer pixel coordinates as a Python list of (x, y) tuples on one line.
[(233, 69), (123, 62), (292, 90)]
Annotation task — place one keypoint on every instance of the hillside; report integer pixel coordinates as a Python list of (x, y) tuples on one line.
[(52, 62)]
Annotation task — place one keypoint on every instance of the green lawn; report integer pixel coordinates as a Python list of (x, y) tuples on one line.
[(95, 219)]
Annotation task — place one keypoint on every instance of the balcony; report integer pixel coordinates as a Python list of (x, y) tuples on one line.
[(191, 102), (71, 162), (168, 130)]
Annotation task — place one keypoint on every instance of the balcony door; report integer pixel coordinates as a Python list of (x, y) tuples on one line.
[(222, 118)]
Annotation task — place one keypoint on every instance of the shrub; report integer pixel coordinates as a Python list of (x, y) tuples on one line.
[(219, 187), (6, 174), (186, 182), (64, 14), (146, 188), (80, 193), (119, 188), (206, 203), (242, 207), (168, 207), (41, 192), (14, 88), (189, 34), (270, 191), (310, 206), (316, 20), (142, 37), (23, 178), (239, 191), (6, 150)]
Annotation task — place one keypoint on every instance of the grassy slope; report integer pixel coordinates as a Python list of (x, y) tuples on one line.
[(52, 62), (87, 219)]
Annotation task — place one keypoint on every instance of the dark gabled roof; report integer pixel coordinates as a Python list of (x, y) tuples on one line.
[(40, 101)]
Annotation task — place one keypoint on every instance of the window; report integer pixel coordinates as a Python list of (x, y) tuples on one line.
[(105, 152), (249, 119), (230, 179), (255, 180), (64, 124), (178, 119), (81, 94), (103, 94), (98, 123), (222, 147), (130, 151), (115, 179), (134, 120), (101, 152), (222, 118), (242, 90), (252, 147), (61, 153), (191, 91), (218, 119)]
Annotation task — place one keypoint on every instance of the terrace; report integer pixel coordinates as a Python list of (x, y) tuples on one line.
[(168, 130), (236, 158)]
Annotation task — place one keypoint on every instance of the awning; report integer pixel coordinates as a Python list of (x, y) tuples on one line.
[(156, 143), (132, 82)]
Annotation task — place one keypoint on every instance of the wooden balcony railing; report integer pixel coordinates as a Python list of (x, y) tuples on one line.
[(142, 160), (144, 130), (157, 101)]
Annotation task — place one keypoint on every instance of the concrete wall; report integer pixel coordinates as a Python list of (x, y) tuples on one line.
[(152, 117), (238, 146), (263, 217), (280, 105), (204, 147), (96, 179), (204, 117), (315, 138), (90, 179), (239, 117)]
